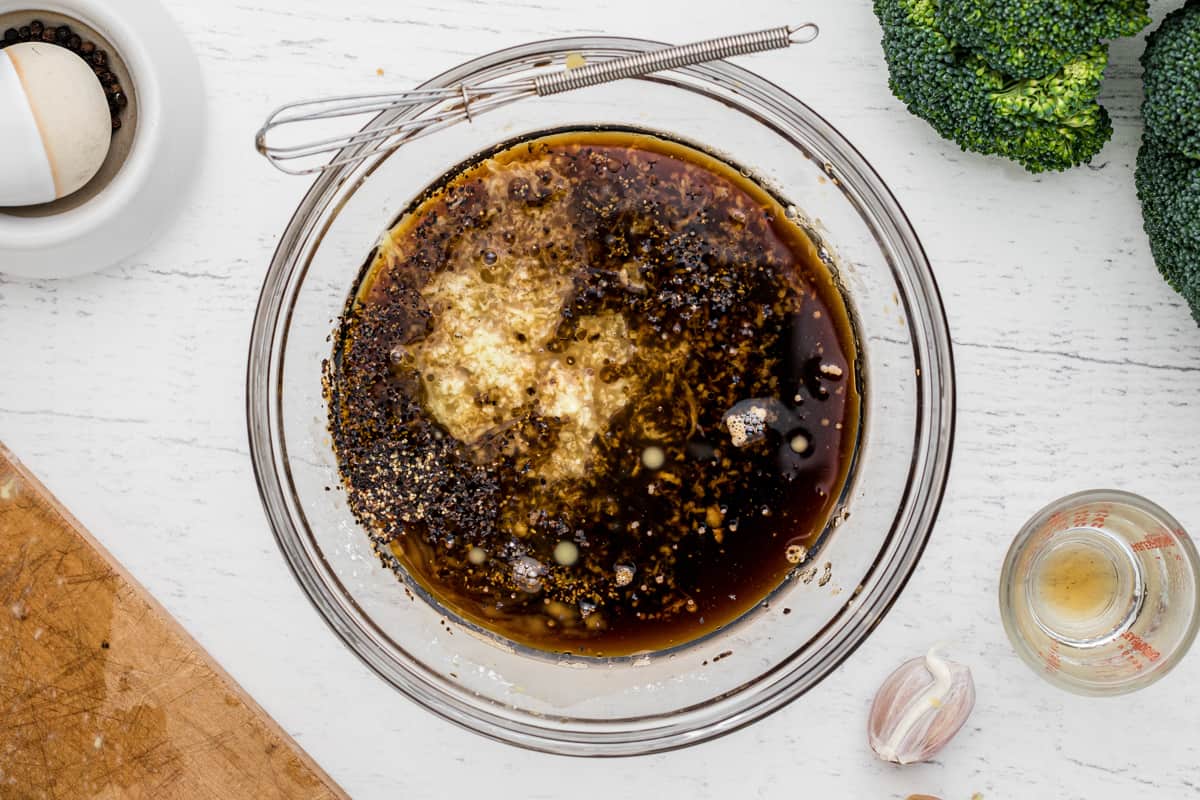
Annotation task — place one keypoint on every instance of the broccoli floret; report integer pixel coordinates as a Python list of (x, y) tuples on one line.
[(1168, 164), (1168, 184), (1048, 123), (1032, 38), (1172, 79)]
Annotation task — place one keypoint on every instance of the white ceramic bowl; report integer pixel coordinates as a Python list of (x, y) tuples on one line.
[(148, 189)]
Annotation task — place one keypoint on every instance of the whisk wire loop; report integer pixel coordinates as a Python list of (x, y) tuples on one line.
[(439, 107)]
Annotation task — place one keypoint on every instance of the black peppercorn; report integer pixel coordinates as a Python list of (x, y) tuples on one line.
[(35, 28), (75, 42), (116, 122), (11, 36), (49, 34), (120, 99), (87, 48), (104, 76), (100, 58), (62, 35), (25, 33)]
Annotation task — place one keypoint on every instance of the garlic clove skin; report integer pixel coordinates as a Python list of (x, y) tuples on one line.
[(919, 708)]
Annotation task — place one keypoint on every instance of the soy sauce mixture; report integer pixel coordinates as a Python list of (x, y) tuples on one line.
[(595, 393)]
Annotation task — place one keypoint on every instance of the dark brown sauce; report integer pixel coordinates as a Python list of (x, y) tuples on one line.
[(595, 393)]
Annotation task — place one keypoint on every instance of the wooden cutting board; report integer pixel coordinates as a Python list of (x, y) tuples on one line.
[(102, 694)]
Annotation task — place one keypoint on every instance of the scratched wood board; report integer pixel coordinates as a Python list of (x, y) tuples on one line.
[(102, 694)]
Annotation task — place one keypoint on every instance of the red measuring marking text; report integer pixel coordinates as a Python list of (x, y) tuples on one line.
[(1128, 655), (1155, 541), (1141, 645), (1052, 659), (1089, 518)]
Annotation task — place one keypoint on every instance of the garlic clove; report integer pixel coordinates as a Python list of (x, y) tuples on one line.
[(919, 708)]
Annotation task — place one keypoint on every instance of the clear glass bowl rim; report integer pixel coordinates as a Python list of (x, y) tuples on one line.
[(929, 470)]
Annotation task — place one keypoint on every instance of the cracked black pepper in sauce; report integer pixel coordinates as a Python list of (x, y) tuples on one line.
[(595, 393)]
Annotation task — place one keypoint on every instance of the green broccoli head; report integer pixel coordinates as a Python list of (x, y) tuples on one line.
[(1048, 123), (1168, 184), (1032, 38), (1172, 79)]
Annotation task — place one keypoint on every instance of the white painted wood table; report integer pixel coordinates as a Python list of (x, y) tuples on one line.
[(1077, 367)]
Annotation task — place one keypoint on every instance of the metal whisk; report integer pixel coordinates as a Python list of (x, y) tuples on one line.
[(454, 104)]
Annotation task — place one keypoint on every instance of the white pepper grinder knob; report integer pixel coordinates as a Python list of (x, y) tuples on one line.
[(55, 123)]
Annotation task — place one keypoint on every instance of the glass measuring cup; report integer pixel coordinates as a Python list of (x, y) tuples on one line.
[(1098, 593)]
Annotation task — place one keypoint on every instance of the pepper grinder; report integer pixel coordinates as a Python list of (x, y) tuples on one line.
[(152, 81)]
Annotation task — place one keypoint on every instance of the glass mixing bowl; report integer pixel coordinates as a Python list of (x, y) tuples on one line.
[(785, 645)]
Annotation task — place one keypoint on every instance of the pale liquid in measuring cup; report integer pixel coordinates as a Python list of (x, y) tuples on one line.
[(1086, 587)]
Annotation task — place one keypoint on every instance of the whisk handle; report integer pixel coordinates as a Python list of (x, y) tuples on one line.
[(673, 57)]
